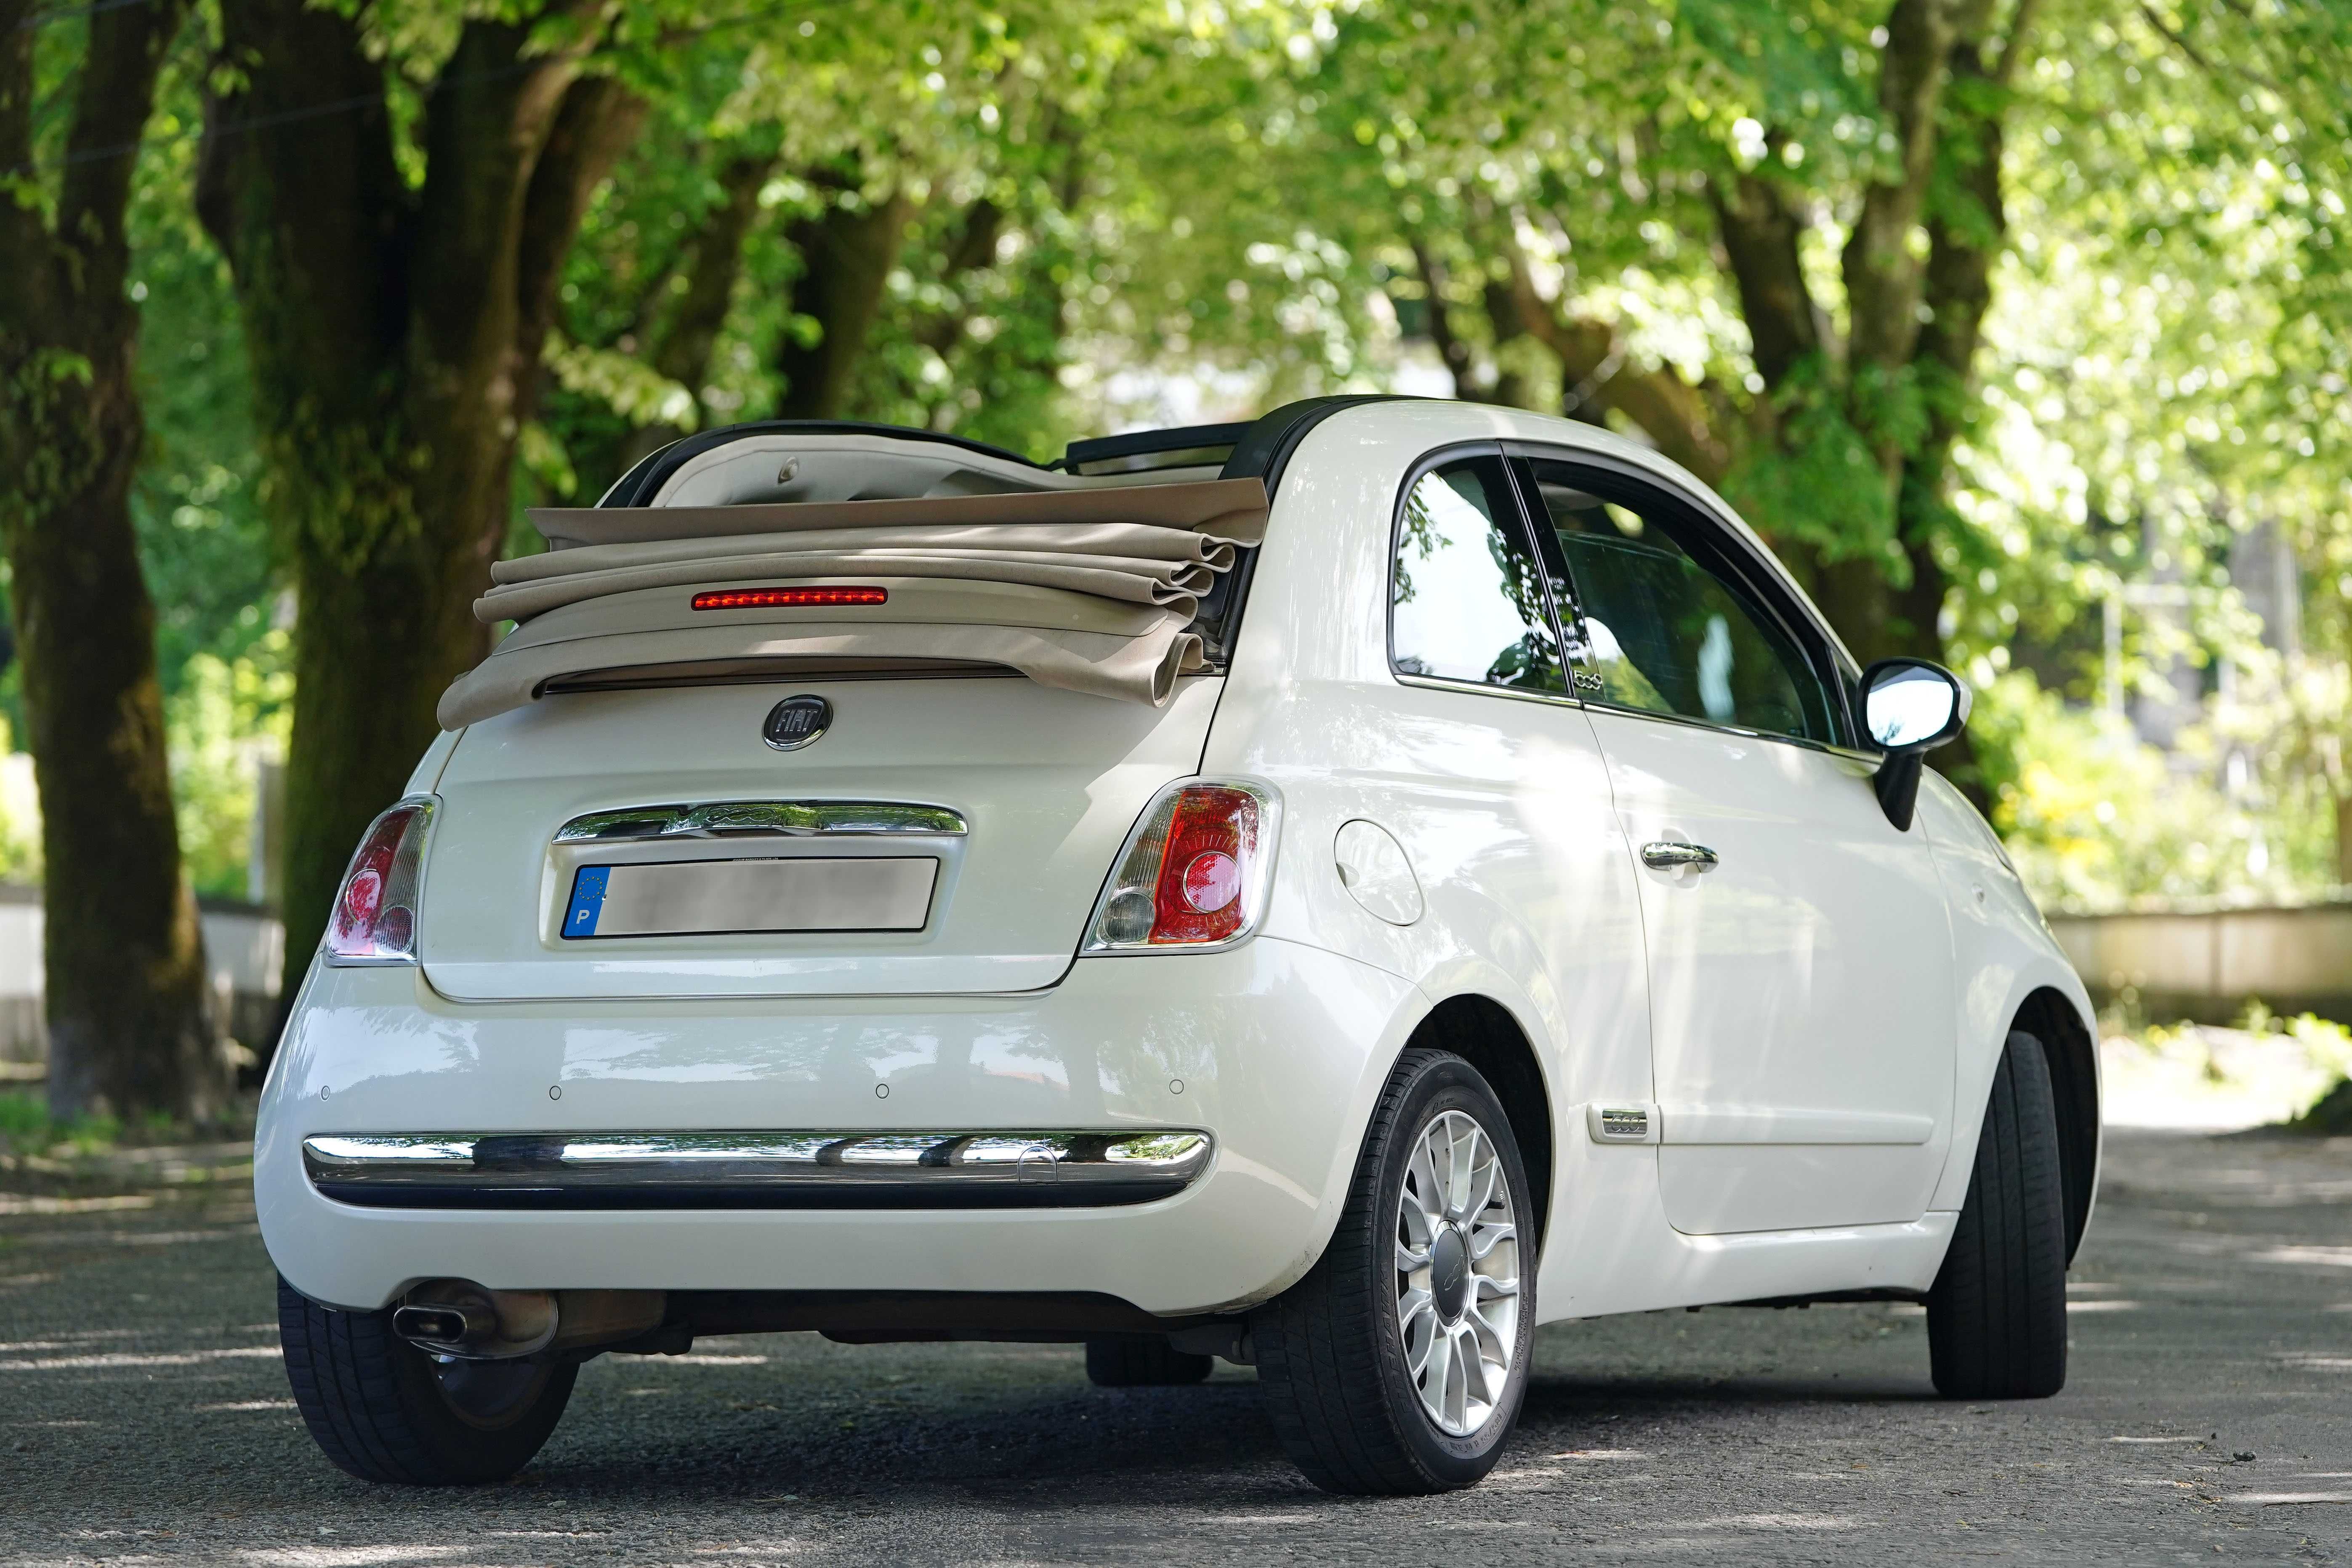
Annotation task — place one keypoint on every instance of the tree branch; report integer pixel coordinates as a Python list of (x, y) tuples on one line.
[(112, 103), (1881, 276), (598, 119), (1450, 349), (682, 344), (974, 248), (23, 238), (1595, 371), (1759, 228), (847, 252), (318, 222), (2012, 47), (486, 123)]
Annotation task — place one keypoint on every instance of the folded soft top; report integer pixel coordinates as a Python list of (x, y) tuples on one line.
[(983, 581)]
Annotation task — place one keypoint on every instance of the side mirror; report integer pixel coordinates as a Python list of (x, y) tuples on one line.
[(1910, 708)]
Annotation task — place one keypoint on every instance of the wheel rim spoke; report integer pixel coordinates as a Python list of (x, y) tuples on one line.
[(1481, 1187), (1485, 1239), (1441, 1364)]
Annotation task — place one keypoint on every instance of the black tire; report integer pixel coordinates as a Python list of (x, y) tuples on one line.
[(385, 1411), (1331, 1352), (1997, 1313), (1142, 1360)]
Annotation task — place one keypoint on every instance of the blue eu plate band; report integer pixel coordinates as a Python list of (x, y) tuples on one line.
[(587, 899)]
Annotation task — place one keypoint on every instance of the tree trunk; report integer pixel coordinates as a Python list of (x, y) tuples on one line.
[(598, 121), (395, 338), (129, 1016), (683, 337), (846, 254)]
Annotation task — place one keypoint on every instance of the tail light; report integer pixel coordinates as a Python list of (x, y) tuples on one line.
[(374, 917), (1194, 873)]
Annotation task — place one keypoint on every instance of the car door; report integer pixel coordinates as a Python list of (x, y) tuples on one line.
[(1797, 945)]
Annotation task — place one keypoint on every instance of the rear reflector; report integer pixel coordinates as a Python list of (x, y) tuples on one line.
[(1195, 872), (787, 597)]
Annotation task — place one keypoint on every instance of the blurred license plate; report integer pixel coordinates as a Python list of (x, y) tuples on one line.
[(706, 897)]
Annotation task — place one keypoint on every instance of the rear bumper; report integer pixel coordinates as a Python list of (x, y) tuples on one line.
[(1274, 1051), (539, 1171)]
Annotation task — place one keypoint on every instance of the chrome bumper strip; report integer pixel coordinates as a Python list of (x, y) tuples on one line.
[(754, 1170), (763, 819)]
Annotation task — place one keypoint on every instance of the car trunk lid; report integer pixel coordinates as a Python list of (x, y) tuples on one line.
[(670, 812)]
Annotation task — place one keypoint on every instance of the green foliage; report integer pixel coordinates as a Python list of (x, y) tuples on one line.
[(2096, 819), (228, 719), (26, 1128), (201, 533), (1820, 485)]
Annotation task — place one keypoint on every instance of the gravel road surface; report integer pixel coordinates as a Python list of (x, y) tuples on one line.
[(144, 1418)]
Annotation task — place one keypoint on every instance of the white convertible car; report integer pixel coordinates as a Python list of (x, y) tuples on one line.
[(1330, 893)]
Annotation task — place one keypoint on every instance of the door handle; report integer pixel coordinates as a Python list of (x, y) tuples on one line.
[(1669, 854)]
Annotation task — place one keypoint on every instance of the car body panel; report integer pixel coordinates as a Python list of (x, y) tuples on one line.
[(1049, 783)]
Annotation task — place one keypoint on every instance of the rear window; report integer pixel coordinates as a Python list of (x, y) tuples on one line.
[(1466, 595)]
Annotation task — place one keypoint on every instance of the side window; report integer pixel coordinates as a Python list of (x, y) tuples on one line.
[(1669, 632), (1466, 598)]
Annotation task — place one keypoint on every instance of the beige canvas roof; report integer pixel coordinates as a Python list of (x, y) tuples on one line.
[(987, 581)]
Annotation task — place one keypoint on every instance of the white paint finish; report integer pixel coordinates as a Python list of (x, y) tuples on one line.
[(1050, 782), (1281, 1050), (1702, 1271), (1790, 1125), (1713, 1188), (2002, 953), (426, 776), (1377, 873), (1808, 974)]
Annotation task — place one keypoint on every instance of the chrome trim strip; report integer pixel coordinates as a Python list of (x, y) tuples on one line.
[(769, 818), (990, 1169), (1512, 694)]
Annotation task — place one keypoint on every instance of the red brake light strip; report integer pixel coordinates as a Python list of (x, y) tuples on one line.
[(787, 597)]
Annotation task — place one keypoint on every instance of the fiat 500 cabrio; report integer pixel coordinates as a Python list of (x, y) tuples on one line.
[(1331, 894)]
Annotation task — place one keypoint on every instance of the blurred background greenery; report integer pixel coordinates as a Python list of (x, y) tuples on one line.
[(1191, 213), (1032, 220)]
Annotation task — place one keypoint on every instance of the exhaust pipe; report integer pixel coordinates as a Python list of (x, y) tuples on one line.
[(444, 1326), (467, 1322)]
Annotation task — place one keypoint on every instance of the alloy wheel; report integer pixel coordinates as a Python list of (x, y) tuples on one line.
[(1457, 1273)]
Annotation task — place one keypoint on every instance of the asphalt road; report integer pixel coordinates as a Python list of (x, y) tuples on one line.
[(143, 1417)]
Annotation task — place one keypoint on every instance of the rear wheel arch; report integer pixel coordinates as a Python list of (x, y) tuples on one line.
[(2072, 1049), (1486, 1034)]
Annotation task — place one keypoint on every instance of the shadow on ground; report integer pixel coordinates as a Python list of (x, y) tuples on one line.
[(143, 1417)]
